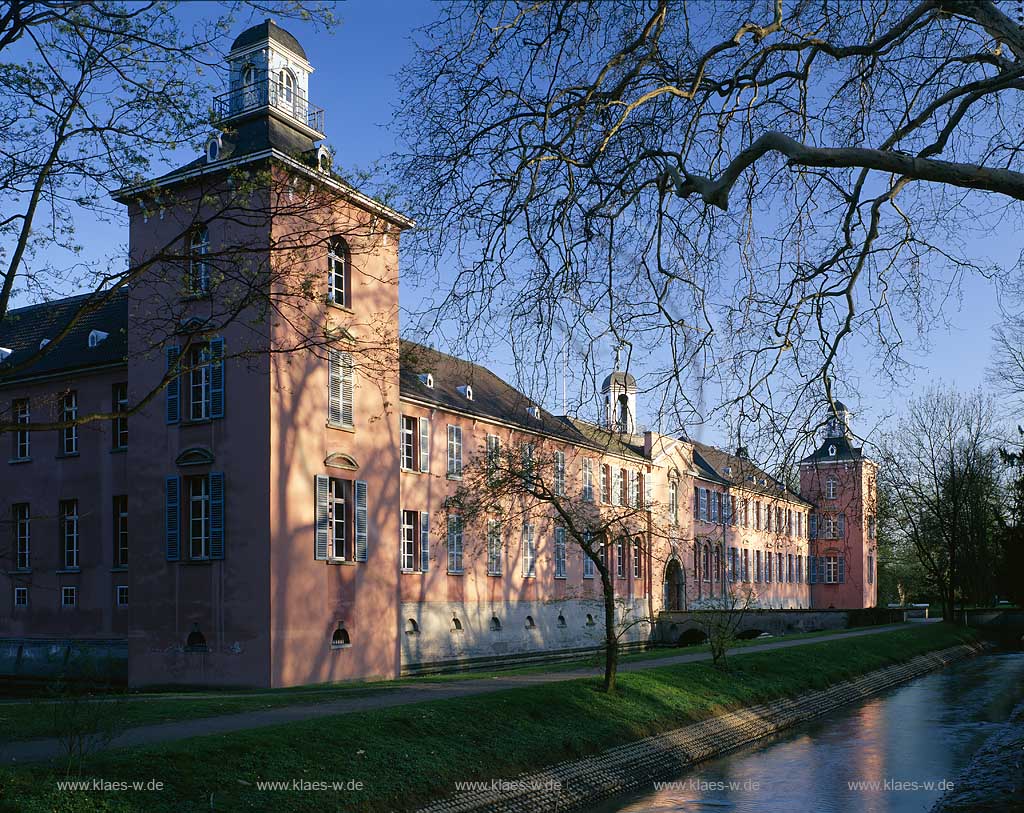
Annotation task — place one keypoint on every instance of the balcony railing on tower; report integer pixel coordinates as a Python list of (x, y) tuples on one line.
[(269, 93)]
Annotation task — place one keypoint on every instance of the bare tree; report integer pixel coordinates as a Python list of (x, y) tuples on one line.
[(515, 483), (736, 191), (938, 469), (721, 617)]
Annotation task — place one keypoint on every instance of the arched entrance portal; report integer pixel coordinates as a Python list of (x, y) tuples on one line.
[(675, 584)]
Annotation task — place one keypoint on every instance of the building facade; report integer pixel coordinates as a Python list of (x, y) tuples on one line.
[(275, 509)]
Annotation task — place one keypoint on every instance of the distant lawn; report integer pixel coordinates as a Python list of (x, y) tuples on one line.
[(411, 754), (35, 718)]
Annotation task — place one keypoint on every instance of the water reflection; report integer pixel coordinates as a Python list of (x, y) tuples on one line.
[(890, 754)]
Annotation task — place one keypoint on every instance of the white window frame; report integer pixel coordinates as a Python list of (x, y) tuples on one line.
[(455, 530), (494, 547), (529, 550), (605, 494), (408, 437), (673, 501), (198, 265), (121, 595), (69, 523), (703, 504), (22, 437), (337, 270), (22, 535), (560, 571), (831, 488), (410, 534), (200, 383), (20, 592), (617, 485), (493, 456), (588, 563), (588, 479), (636, 559), (339, 541), (560, 473), (620, 558), (199, 518), (120, 423), (831, 567), (121, 530), (69, 412), (454, 451), (68, 597)]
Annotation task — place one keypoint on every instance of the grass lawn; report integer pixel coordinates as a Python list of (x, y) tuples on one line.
[(414, 753), (36, 718)]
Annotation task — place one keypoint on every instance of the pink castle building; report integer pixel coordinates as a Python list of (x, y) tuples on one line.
[(272, 514)]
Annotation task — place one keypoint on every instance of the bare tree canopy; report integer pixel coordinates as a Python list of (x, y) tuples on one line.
[(742, 193)]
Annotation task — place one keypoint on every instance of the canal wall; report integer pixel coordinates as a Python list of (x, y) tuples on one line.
[(576, 784), (993, 782)]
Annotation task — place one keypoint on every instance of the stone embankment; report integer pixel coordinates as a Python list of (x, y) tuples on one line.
[(576, 784)]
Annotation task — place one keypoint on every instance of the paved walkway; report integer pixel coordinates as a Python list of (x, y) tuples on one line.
[(38, 750)]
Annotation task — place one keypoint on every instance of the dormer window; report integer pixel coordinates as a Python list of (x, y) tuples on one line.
[(533, 411), (5, 352), (427, 380), (466, 391), (831, 451), (43, 343), (96, 337), (213, 146)]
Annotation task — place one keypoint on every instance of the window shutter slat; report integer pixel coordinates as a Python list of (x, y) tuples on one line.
[(217, 378), (347, 390), (172, 518), (424, 541), (842, 570), (842, 526), (360, 521), (216, 515), (173, 392), (322, 526), (424, 444), (812, 569), (334, 387)]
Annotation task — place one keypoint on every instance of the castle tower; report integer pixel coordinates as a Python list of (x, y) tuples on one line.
[(841, 483), (619, 391)]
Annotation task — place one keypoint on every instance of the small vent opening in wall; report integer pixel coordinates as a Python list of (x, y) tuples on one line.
[(340, 639), (529, 623), (495, 623)]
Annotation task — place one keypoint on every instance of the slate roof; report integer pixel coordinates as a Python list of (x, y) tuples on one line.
[(740, 470), (845, 451), (24, 328), (267, 30)]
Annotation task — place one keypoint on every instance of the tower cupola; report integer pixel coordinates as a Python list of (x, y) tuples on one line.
[(619, 391), (268, 75), (838, 423)]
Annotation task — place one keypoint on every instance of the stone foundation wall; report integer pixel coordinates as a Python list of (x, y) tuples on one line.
[(578, 783), (527, 628)]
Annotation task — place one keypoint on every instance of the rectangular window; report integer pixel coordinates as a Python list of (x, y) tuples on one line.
[(714, 506), (780, 574), (493, 456), (559, 552), (338, 272), (340, 389), (588, 479), (606, 488), (789, 522), (22, 416), (799, 524), (757, 515), (424, 450), (409, 539), (69, 597), (789, 567), (673, 502), (200, 383), (199, 517), (871, 527), (69, 413), (21, 597), (455, 544), (703, 503), (799, 569), (767, 567), (560, 473), (22, 536), (121, 595), (735, 563), (339, 519), (620, 486), (69, 532), (633, 497), (588, 563), (636, 560), (455, 452), (526, 454), (408, 438), (121, 530), (620, 558), (768, 518), (831, 569), (746, 565), (529, 551), (757, 566), (119, 425), (871, 568), (493, 547)]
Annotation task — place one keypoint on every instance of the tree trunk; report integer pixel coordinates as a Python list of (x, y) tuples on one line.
[(611, 640)]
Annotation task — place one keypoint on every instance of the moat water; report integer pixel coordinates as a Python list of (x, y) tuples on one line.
[(892, 753)]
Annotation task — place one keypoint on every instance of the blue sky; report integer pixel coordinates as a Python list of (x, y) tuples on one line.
[(355, 81)]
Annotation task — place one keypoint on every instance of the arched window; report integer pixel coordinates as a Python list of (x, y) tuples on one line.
[(250, 93), (340, 639), (249, 75), (338, 276), (287, 82), (673, 501), (623, 412), (198, 261)]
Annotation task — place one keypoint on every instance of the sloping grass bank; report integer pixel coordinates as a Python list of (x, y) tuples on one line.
[(408, 755)]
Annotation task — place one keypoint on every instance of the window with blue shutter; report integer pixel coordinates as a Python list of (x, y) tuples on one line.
[(812, 570), (322, 524), (216, 515), (813, 522), (842, 570), (217, 378), (424, 541), (173, 391), (361, 520), (172, 518), (842, 526)]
